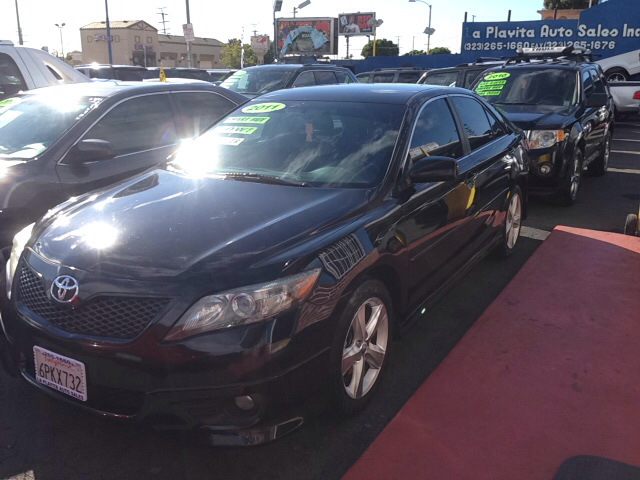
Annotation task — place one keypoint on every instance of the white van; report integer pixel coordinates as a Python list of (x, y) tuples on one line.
[(24, 68)]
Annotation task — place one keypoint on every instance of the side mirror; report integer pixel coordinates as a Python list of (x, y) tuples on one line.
[(434, 169), (597, 100), (90, 150)]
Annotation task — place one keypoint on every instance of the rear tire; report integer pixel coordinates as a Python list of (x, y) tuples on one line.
[(600, 165), (573, 179), (631, 224), (361, 346), (616, 74)]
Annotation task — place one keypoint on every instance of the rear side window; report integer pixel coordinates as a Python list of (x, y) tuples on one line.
[(11, 80), (475, 121), (137, 124), (441, 78), (383, 77), (343, 77), (200, 109), (435, 132), (587, 83), (598, 83), (470, 77), (409, 77), (325, 78)]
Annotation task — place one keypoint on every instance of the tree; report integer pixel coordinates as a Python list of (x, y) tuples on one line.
[(231, 54), (561, 4), (435, 50), (415, 52), (268, 57), (384, 47)]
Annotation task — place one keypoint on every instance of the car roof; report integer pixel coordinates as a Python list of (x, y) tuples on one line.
[(541, 65), (396, 93), (294, 66), (112, 88)]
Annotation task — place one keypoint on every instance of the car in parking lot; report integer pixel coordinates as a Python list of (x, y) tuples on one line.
[(25, 68), (280, 250), (62, 141), (254, 81), (392, 75), (128, 73), (462, 75), (562, 100)]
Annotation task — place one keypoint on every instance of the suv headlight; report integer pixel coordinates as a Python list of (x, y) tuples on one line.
[(19, 242), (544, 138), (244, 305)]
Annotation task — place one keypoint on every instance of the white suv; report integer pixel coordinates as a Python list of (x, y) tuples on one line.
[(24, 68)]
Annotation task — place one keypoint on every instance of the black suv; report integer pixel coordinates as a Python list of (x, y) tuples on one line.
[(128, 73), (462, 75), (562, 101), (254, 81), (392, 75)]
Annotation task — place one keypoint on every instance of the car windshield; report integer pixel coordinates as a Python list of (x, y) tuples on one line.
[(554, 87), (257, 81), (30, 124), (310, 143)]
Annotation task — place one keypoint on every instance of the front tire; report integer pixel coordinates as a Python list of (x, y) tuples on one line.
[(600, 165), (616, 74), (631, 224), (573, 180), (512, 224), (361, 346)]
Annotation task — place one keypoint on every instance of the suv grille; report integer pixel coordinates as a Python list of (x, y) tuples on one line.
[(113, 317)]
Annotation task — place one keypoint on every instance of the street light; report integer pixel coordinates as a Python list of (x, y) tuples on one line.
[(429, 31), (61, 42), (374, 24), (277, 6), (300, 7)]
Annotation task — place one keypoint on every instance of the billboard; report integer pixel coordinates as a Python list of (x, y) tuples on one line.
[(307, 35), (355, 23), (260, 43)]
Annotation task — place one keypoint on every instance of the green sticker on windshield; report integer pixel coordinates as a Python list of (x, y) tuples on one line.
[(489, 93), (497, 76), (9, 101), (258, 120), (491, 85), (233, 141), (263, 107), (234, 129)]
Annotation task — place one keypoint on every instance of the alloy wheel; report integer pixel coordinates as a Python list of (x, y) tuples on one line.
[(576, 175), (514, 219), (365, 348)]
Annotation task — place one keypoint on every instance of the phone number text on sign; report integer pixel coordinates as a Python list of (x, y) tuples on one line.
[(592, 45)]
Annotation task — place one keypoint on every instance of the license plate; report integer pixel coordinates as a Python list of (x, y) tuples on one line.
[(61, 373)]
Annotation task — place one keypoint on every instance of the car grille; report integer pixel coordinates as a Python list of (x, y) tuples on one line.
[(104, 316)]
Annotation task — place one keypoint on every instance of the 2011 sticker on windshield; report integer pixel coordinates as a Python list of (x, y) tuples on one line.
[(254, 120), (236, 129), (263, 107)]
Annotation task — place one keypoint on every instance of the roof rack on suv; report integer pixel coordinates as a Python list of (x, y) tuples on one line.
[(397, 68), (551, 54)]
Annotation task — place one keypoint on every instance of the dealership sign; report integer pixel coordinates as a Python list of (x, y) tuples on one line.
[(355, 23), (608, 29)]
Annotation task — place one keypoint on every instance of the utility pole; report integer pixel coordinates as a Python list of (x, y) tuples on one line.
[(189, 43), (398, 37), (19, 29), (255, 32), (163, 21), (106, 9)]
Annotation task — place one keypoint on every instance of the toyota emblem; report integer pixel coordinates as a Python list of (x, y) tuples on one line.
[(64, 289)]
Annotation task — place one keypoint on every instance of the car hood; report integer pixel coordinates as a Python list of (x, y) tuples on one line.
[(534, 117), (162, 224)]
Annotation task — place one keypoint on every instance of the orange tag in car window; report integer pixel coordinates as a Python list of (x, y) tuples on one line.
[(309, 130)]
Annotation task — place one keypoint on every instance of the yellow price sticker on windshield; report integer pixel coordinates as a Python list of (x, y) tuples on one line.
[(256, 120), (263, 107), (497, 76), (235, 129)]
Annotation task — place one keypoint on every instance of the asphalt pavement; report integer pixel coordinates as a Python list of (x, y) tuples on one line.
[(44, 439)]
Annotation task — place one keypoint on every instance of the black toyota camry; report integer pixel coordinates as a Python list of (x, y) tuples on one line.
[(276, 254)]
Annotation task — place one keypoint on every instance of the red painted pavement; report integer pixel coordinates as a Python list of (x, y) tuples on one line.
[(551, 369)]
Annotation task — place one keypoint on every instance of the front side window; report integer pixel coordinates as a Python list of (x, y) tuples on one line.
[(343, 77), (305, 79), (29, 124), (11, 81), (383, 77), (409, 77), (320, 143), (326, 78), (474, 120), (528, 86), (435, 133), (137, 124)]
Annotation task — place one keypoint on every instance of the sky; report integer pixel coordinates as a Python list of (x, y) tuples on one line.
[(403, 21)]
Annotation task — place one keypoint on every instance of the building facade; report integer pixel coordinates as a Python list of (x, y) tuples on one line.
[(135, 42)]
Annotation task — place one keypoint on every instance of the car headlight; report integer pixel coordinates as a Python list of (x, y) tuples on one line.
[(244, 305), (19, 241), (544, 138)]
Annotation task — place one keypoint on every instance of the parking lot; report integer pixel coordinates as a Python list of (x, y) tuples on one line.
[(42, 438)]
